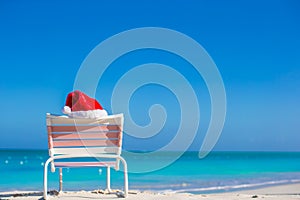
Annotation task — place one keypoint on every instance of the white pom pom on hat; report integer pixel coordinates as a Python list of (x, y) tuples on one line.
[(66, 110)]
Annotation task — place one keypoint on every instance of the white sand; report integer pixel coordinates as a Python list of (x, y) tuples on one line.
[(282, 192)]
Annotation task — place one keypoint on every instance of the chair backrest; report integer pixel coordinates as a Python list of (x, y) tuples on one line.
[(75, 137)]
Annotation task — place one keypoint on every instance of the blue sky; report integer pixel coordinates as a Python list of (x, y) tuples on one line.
[(255, 45)]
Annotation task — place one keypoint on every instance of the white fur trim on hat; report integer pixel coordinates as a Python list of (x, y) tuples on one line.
[(89, 114)]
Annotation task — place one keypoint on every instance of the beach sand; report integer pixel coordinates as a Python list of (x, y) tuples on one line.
[(282, 192)]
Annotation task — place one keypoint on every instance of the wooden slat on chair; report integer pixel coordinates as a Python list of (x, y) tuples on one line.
[(90, 150), (86, 164), (85, 128), (84, 143), (113, 119), (106, 135)]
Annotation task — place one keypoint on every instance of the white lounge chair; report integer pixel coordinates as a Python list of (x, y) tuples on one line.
[(85, 138)]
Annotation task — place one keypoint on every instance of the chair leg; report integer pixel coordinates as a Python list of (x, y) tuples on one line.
[(108, 179), (45, 177), (125, 181), (125, 177), (60, 180)]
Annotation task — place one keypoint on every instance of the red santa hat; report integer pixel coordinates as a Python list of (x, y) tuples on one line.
[(81, 105), (78, 101)]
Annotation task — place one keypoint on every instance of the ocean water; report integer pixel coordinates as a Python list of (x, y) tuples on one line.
[(218, 172)]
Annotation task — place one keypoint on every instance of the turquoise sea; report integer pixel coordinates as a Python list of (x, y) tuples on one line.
[(218, 172)]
